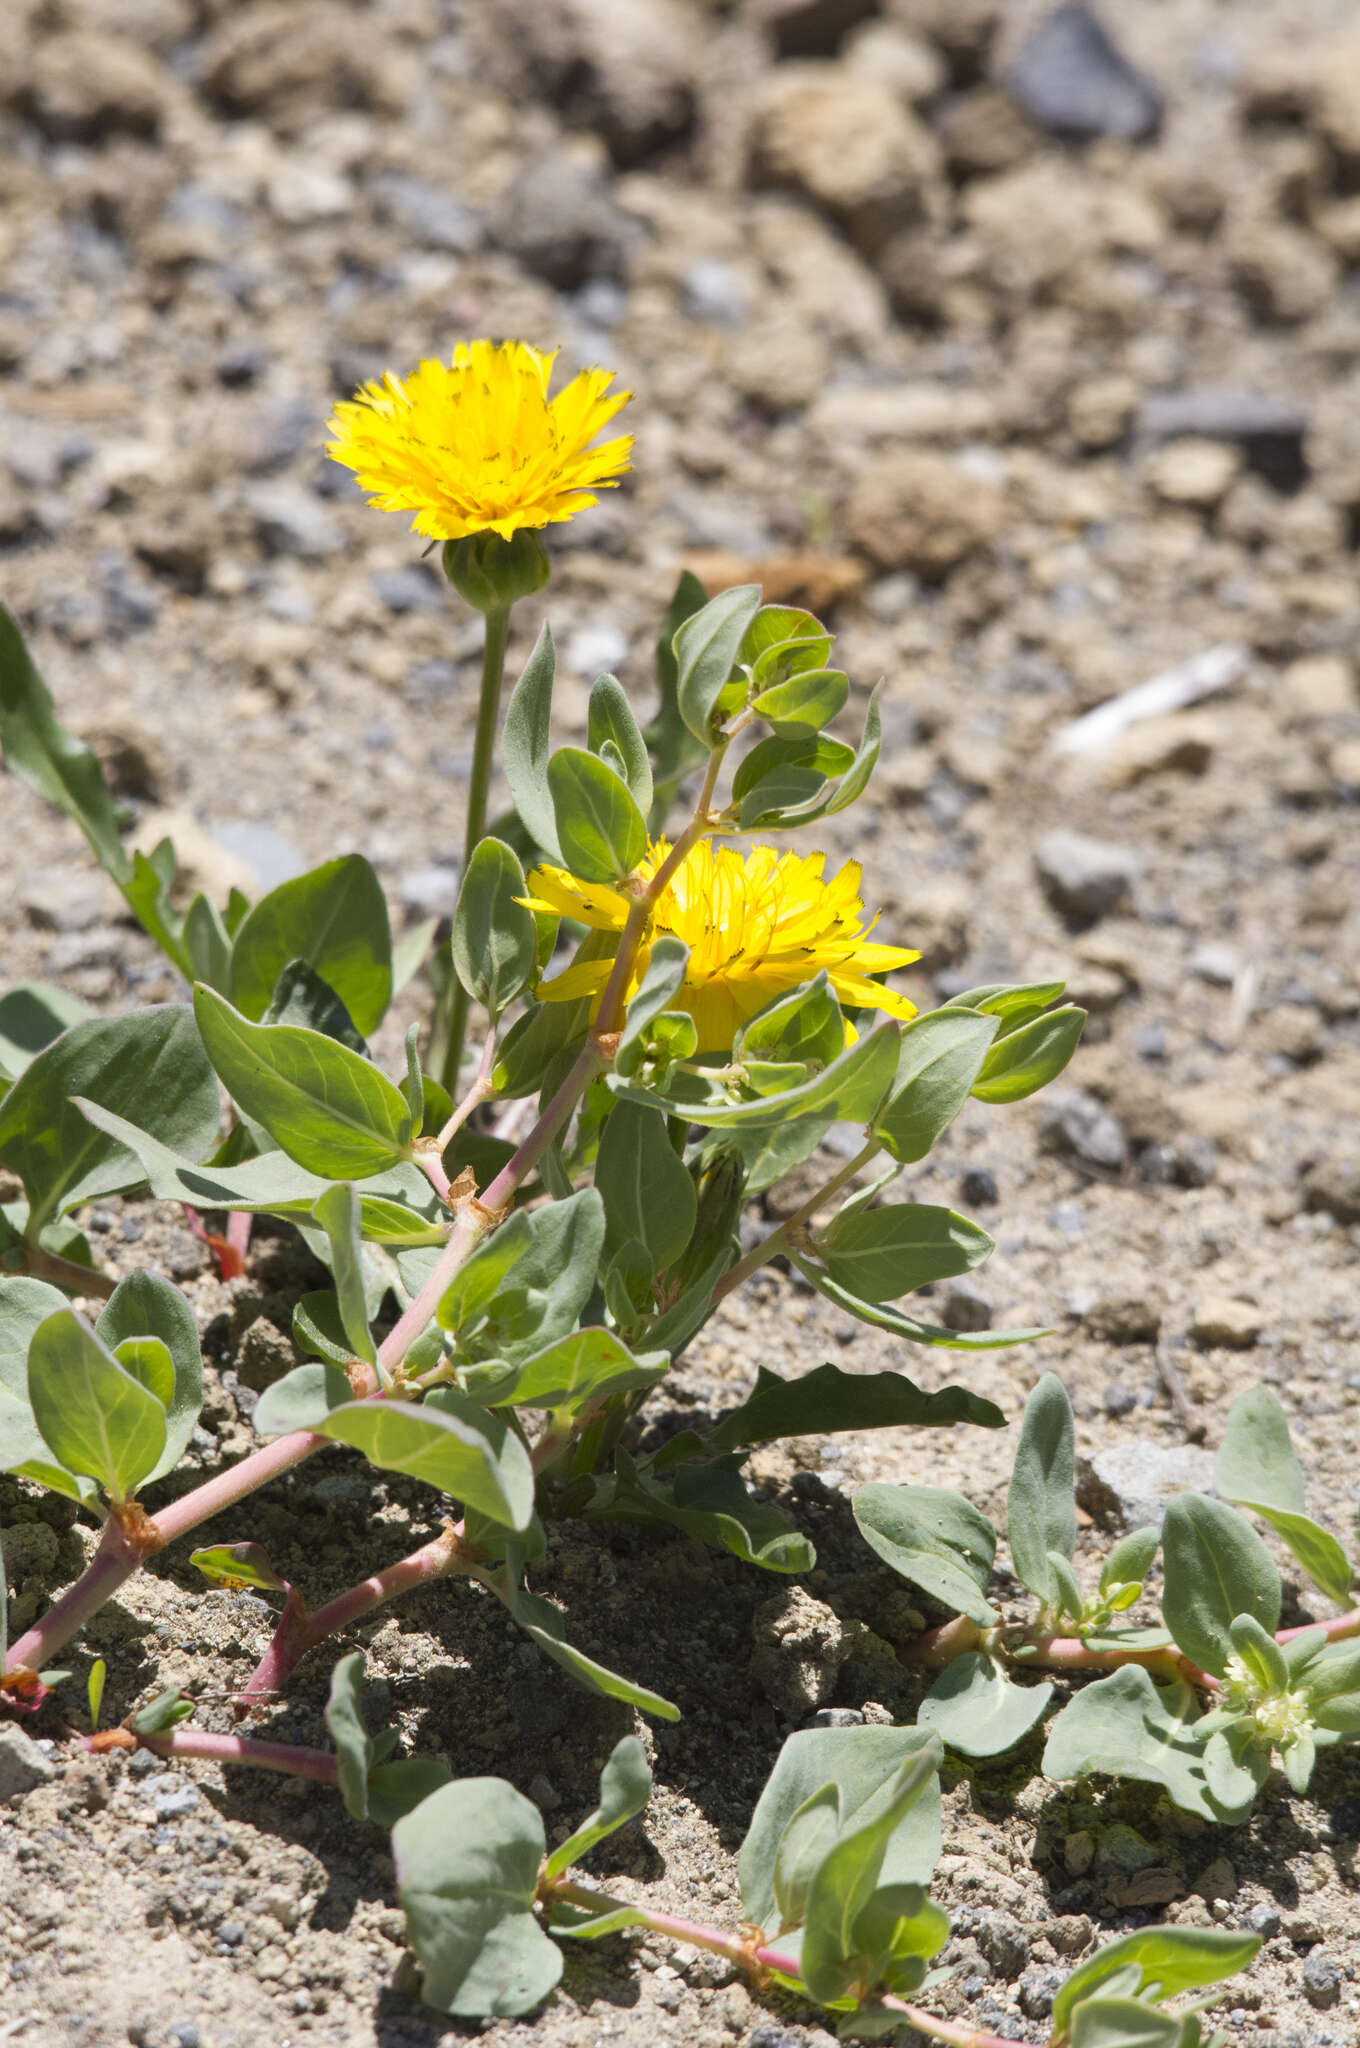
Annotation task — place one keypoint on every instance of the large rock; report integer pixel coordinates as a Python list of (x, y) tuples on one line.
[(1128, 1485), (290, 61), (1084, 878), (625, 69), (557, 217), (23, 1767), (799, 1648), (916, 510), (1051, 219), (85, 87), (1073, 80), (848, 143)]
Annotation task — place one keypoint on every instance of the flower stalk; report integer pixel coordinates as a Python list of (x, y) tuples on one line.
[(479, 783)]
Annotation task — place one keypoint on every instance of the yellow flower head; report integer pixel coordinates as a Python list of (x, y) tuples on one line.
[(477, 445), (758, 925)]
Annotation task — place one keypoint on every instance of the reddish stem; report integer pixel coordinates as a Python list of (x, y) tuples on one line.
[(1069, 1653), (287, 1757), (299, 1630), (1336, 1630)]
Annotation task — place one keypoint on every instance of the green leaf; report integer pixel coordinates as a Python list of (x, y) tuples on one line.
[(1041, 1508), (1167, 1960), (338, 1213), (884, 1317), (1257, 1467), (450, 1443), (1131, 1559), (147, 891), (411, 952), (544, 1625), (809, 700), (302, 997), (529, 1281), (572, 1374), (48, 758), (467, 1872), (1332, 1683), (24, 1304), (149, 1065), (862, 1763), (302, 1399), (32, 1014), (207, 944), (1122, 2023), (802, 1846), (647, 1190), (782, 640), (840, 795), (848, 1876), (978, 1711), (879, 1254), (852, 1087), (163, 1713), (354, 1752), (233, 1566), (526, 740), (99, 1671), (625, 1788), (334, 918), (806, 1025), (601, 831), (941, 1056), (145, 1305), (706, 648), (612, 724), (665, 972), (1128, 1725), (1021, 1062), (328, 1108), (707, 1498), (1216, 1567), (828, 1399), (96, 1418), (1260, 1653), (936, 1539), (495, 938)]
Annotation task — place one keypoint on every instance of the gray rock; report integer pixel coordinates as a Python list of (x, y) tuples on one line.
[(978, 1188), (557, 217), (1084, 878), (241, 364), (276, 434), (291, 520), (1075, 1124), (408, 590), (62, 899), (596, 649), (1004, 1943), (800, 1646), (431, 892), (1038, 1988), (835, 1717), (1333, 1184), (1119, 1399), (1128, 1485), (712, 290), (1218, 965), (273, 858), (23, 1767), (963, 1308), (1322, 1980), (174, 1796), (1271, 432), (434, 219), (1263, 1919), (1072, 79), (625, 70)]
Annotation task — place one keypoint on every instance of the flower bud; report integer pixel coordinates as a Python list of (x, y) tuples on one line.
[(492, 573)]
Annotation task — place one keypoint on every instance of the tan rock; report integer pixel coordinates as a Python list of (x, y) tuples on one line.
[(1192, 472), (1343, 760), (1319, 686), (984, 131), (920, 511), (1099, 411), (292, 59), (1282, 271), (86, 86), (1177, 744), (1223, 1319), (1339, 226), (907, 64), (779, 364), (916, 411), (848, 143)]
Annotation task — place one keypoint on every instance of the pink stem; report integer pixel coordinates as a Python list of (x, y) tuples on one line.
[(940, 1646), (1069, 1653), (114, 1561), (476, 1095), (240, 1223), (318, 1764), (1336, 1630), (299, 1631)]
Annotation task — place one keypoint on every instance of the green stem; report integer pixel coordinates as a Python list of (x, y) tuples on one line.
[(483, 756), (67, 1273), (778, 1238)]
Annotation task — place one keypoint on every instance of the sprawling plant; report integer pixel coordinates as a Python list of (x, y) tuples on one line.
[(521, 1239)]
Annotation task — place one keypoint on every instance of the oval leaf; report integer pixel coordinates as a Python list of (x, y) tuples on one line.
[(601, 831), (455, 1446), (335, 919)]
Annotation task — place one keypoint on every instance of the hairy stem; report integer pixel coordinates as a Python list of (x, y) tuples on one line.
[(778, 1238), (477, 1094), (67, 1273), (1337, 1630), (299, 1631), (294, 1762), (483, 756)]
